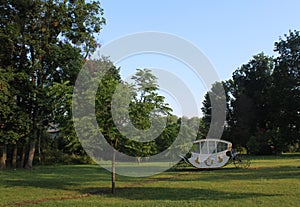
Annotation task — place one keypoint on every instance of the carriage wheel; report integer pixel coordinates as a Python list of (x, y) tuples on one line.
[(241, 161)]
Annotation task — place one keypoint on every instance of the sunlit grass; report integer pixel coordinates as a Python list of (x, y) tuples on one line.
[(270, 181)]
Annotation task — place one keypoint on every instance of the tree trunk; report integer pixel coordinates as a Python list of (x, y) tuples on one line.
[(3, 157), (113, 173), (30, 156), (22, 163), (14, 157), (39, 149), (138, 159)]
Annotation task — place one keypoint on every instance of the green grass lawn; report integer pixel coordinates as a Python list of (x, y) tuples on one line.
[(270, 181)]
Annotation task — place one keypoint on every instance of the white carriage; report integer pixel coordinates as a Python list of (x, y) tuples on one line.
[(215, 153)]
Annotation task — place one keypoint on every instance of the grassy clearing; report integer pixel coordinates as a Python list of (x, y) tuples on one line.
[(270, 181)]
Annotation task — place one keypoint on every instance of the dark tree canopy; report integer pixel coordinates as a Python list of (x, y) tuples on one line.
[(263, 111), (43, 42)]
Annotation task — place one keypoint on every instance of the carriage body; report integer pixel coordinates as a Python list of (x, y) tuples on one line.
[(210, 153)]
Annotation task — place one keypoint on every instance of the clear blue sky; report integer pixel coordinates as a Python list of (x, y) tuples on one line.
[(229, 33)]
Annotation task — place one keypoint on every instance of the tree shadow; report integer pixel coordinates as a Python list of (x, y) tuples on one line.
[(61, 178), (54, 177), (174, 194), (233, 173), (72, 178)]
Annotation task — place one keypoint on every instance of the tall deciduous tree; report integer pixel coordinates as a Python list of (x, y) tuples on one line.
[(263, 96), (45, 41), (213, 98), (104, 97), (119, 106), (250, 100), (286, 92), (147, 109)]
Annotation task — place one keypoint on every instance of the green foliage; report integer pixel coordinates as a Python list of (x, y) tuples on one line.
[(146, 109), (57, 156), (14, 122), (44, 45), (264, 109), (119, 104), (146, 103), (213, 102), (106, 89), (263, 100), (258, 145), (249, 88), (286, 92), (42, 42)]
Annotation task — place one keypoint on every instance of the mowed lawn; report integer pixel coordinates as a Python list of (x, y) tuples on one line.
[(270, 181)]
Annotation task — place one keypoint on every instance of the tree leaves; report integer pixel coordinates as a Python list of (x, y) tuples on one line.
[(263, 100), (42, 42)]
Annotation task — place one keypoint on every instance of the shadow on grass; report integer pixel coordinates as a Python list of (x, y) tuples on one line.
[(282, 172), (64, 177), (81, 178), (54, 177), (164, 193)]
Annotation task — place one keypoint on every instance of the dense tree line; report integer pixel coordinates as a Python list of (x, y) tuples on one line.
[(44, 45), (263, 107)]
